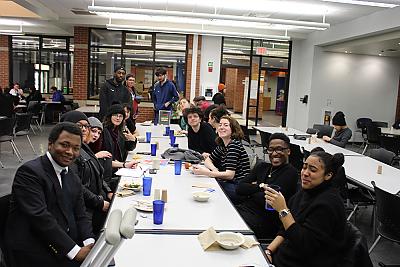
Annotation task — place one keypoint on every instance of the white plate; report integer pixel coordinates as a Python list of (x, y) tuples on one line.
[(143, 206), (146, 123)]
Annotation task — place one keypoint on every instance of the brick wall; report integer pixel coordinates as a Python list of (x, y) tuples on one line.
[(145, 114), (189, 67), (230, 83), (81, 64), (197, 90), (239, 90), (4, 61)]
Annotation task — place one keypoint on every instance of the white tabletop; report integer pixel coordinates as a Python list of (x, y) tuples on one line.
[(89, 109), (287, 131), (318, 142), (390, 131), (182, 213), (363, 170), (182, 250)]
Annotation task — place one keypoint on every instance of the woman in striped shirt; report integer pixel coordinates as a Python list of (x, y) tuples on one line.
[(229, 162)]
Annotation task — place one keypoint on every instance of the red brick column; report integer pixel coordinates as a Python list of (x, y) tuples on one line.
[(81, 64), (197, 90), (4, 61), (189, 66)]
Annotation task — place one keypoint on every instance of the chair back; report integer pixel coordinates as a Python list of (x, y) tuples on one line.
[(362, 123), (373, 133), (312, 131), (381, 124), (246, 135), (296, 157), (386, 213), (390, 143), (7, 127), (34, 107), (264, 138), (323, 130), (382, 155), (23, 122), (355, 251)]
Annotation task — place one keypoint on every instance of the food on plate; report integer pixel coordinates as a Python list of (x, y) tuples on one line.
[(132, 185)]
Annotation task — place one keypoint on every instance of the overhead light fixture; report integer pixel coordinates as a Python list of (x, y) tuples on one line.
[(12, 32), (197, 31), (182, 14), (363, 3)]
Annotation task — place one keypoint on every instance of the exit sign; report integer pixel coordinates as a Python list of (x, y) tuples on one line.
[(261, 51)]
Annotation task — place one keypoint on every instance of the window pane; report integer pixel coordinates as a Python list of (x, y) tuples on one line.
[(55, 68), (175, 63), (106, 38), (71, 45), (171, 41), (273, 48), (237, 46), (138, 39), (236, 60), (54, 43), (24, 67), (140, 64), (25, 42), (102, 64), (280, 63)]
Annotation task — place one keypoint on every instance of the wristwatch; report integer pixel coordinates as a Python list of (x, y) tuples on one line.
[(283, 213)]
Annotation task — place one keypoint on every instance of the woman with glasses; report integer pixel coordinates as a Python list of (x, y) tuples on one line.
[(229, 162), (114, 139), (314, 219), (96, 193), (279, 172)]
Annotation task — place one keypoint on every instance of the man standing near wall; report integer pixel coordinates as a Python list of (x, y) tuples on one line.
[(113, 91), (164, 94)]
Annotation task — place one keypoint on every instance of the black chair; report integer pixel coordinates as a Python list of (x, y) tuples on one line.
[(35, 107), (388, 218), (355, 251), (296, 157), (381, 124), (4, 209), (362, 128), (252, 144), (373, 136), (391, 143), (264, 141), (323, 130), (7, 135), (382, 155), (22, 127)]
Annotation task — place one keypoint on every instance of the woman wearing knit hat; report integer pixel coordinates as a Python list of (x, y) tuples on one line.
[(96, 193), (342, 132), (114, 140)]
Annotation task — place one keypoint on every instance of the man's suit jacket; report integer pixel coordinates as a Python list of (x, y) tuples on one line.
[(37, 225)]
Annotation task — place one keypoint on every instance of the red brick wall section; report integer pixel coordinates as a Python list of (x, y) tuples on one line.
[(81, 64), (239, 90), (197, 90), (4, 61), (145, 114), (230, 83)]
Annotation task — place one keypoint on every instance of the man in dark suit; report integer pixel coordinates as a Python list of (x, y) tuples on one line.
[(47, 223)]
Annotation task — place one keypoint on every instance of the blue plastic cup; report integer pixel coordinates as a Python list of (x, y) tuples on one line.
[(178, 166), (175, 145), (167, 130), (276, 188), (171, 132), (147, 186), (148, 137), (158, 211), (153, 149), (172, 139)]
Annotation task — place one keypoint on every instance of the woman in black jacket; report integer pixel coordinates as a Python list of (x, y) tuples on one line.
[(96, 193), (313, 228), (114, 140)]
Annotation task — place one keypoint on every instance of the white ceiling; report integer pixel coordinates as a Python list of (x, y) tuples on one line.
[(56, 16)]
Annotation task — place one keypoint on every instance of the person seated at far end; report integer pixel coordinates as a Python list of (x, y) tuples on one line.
[(201, 136), (342, 132)]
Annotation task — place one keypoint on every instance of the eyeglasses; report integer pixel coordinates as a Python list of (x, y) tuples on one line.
[(83, 126), (278, 149), (118, 116)]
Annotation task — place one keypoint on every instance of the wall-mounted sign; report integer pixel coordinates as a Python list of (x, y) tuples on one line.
[(262, 51), (210, 66)]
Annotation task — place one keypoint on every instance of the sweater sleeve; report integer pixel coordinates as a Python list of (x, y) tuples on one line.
[(342, 139), (257, 174)]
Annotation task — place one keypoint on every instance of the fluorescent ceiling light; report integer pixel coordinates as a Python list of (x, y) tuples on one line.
[(209, 16), (197, 31), (363, 3)]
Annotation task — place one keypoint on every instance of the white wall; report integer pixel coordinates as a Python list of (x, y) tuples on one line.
[(358, 85), (210, 51)]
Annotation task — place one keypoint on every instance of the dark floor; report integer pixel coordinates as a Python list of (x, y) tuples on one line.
[(385, 251)]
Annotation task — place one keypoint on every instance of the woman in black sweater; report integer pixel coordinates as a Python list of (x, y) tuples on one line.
[(313, 228)]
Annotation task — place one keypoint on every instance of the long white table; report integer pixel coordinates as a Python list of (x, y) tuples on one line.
[(390, 131), (182, 250), (363, 170), (288, 131), (182, 213)]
